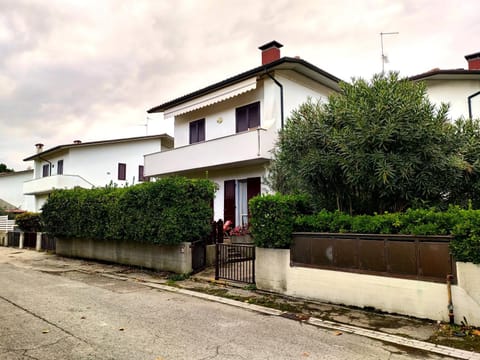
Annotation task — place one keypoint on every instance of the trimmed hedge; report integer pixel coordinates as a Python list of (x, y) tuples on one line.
[(274, 218), (167, 212)]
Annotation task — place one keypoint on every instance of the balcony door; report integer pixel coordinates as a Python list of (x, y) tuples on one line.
[(237, 193)]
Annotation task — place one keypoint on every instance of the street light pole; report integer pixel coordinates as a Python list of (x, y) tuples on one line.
[(381, 42)]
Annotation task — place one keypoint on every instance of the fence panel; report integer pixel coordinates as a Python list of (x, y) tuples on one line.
[(48, 242), (417, 257)]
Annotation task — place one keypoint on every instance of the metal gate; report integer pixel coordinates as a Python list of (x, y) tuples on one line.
[(235, 262), (199, 255)]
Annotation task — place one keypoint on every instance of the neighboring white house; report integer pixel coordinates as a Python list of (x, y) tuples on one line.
[(458, 87), (226, 131), (90, 164), (11, 190)]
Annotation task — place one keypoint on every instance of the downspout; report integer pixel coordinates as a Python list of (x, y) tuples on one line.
[(469, 99), (50, 167), (281, 95)]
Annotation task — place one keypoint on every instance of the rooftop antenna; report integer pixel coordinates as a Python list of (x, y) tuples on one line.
[(384, 57)]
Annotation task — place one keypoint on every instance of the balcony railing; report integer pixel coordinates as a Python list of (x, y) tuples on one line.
[(242, 148), (46, 184)]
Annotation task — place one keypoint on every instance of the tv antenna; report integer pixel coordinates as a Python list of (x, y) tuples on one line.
[(384, 57)]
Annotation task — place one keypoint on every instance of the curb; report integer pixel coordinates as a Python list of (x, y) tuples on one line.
[(376, 335)]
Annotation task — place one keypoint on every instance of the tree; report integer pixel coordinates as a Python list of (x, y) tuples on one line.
[(375, 146), (3, 168), (466, 188)]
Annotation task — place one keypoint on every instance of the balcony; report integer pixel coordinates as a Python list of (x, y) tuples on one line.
[(45, 185), (235, 150)]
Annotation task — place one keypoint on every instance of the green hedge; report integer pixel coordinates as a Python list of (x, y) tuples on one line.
[(167, 212), (274, 218)]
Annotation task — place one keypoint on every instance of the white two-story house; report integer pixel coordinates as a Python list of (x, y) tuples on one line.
[(90, 164), (458, 87), (226, 131)]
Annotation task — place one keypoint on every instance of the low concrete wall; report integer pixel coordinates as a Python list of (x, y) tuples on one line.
[(211, 255), (176, 258), (408, 297)]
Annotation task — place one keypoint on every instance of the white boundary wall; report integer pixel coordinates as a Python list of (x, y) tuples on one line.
[(416, 298)]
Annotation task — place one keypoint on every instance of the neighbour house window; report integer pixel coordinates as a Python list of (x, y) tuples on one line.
[(141, 177), (247, 117), (60, 167), (197, 131), (46, 170), (122, 171)]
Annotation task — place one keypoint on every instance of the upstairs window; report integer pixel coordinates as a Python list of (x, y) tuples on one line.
[(60, 167), (197, 131), (141, 177), (122, 171), (247, 117), (46, 170)]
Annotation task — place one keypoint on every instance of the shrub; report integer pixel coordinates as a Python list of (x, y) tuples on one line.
[(272, 219), (167, 212), (29, 222)]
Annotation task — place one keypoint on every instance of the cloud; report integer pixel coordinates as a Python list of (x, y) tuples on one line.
[(90, 69)]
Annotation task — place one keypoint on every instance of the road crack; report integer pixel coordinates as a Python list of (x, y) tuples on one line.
[(43, 319)]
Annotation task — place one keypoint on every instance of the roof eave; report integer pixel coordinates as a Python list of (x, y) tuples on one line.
[(232, 80)]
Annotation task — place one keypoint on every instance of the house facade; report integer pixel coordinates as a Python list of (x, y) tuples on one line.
[(90, 164), (458, 87), (226, 131), (11, 190)]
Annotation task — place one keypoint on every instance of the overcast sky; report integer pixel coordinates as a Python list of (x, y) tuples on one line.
[(89, 70)]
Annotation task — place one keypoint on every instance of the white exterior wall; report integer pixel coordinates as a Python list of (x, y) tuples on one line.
[(455, 93), (219, 117), (420, 299), (297, 89), (11, 189), (91, 165)]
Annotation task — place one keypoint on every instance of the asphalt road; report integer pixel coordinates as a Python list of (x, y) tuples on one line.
[(74, 315)]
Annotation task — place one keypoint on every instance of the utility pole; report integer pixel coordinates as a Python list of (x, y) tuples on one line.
[(384, 57)]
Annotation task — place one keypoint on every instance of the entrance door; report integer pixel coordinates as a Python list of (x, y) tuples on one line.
[(237, 193)]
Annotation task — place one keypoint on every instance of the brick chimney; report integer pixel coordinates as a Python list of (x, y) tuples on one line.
[(270, 52), (473, 61)]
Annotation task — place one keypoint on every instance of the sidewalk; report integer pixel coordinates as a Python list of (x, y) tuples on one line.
[(399, 330)]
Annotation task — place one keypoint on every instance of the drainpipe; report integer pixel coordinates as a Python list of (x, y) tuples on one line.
[(281, 95), (450, 303), (50, 167), (469, 99)]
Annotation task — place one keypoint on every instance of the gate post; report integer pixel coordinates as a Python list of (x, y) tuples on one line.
[(217, 263), (22, 236), (38, 244)]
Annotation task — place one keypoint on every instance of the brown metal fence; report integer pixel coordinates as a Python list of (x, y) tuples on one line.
[(414, 257)]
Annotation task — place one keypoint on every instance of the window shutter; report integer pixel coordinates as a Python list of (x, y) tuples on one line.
[(60, 167), (229, 201), (122, 171), (141, 177), (254, 115), (241, 116)]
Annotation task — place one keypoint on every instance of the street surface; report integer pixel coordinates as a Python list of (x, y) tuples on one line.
[(75, 315)]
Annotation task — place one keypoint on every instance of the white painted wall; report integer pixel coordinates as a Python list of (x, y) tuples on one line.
[(97, 164), (11, 189), (420, 299), (455, 92)]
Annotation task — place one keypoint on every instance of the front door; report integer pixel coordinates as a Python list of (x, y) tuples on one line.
[(237, 193)]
